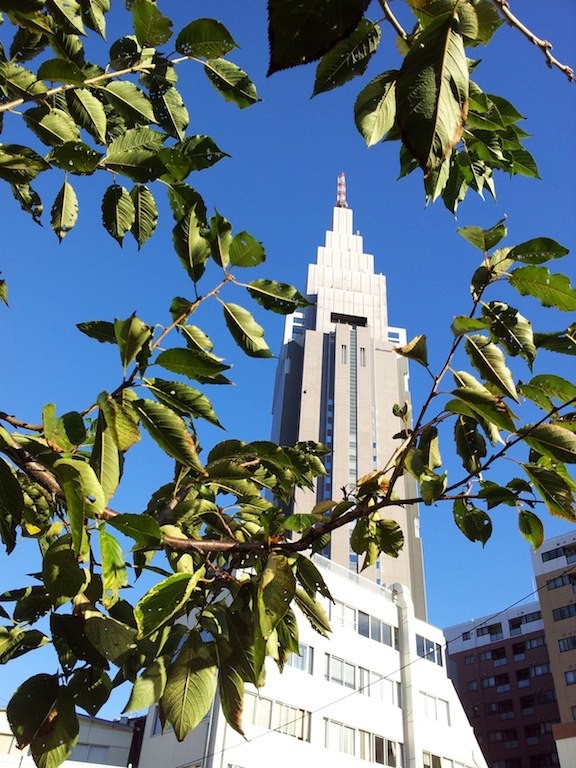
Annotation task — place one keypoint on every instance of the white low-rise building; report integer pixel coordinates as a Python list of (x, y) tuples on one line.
[(376, 692)]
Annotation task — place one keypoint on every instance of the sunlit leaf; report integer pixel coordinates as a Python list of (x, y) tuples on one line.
[(245, 330)]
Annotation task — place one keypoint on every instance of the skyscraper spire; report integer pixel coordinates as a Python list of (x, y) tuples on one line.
[(341, 196)]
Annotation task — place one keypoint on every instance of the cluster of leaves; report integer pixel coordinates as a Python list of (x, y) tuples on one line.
[(125, 118), (483, 409), (219, 535), (457, 134)]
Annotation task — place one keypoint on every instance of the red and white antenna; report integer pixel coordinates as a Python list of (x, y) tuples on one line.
[(341, 194)]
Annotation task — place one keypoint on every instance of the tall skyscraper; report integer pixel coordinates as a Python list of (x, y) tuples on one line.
[(338, 378)]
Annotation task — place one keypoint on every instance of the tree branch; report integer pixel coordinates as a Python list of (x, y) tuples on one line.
[(544, 45), (393, 20)]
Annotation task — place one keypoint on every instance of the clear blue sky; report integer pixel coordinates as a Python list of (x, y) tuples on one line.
[(280, 185)]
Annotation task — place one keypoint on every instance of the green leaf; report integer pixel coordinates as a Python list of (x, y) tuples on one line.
[(432, 93), (84, 495), (375, 107), (51, 126), (313, 611), (60, 571), (482, 403), (523, 164), (348, 58), (470, 445), (20, 82), (463, 324), (190, 687), (231, 690), (554, 387), (474, 523), (278, 297), (145, 214), (67, 12), (75, 157), (563, 342), (64, 433), (220, 239), (231, 82), (3, 292), (50, 727), (19, 165), (488, 22), (93, 15), (131, 335), (61, 71), (183, 399), (118, 213), (552, 290), (551, 440), (11, 506), (205, 39), (112, 639), (554, 490), (192, 363), (276, 590), (170, 110), (120, 419), (513, 330), (488, 360), (181, 198), (165, 600), (114, 574), (299, 32), (143, 529), (149, 686), (101, 330), (130, 102), (246, 251), (169, 432), (30, 202), (150, 26), (195, 153), (90, 689), (415, 350), (245, 330), (105, 459), (88, 112), (192, 248), (484, 239), (64, 212), (196, 338), (531, 528), (537, 251)]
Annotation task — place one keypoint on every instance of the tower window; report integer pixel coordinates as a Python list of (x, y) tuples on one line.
[(344, 354), (362, 357)]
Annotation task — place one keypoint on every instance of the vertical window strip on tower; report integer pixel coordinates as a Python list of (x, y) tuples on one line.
[(353, 426)]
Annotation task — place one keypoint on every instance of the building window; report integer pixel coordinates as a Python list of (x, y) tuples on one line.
[(540, 669), (567, 643), (428, 649), (365, 745), (552, 554), (362, 357), (90, 753), (473, 685), (523, 677), (431, 761), (574, 712), (565, 612), (536, 642), (559, 581), (570, 677), (519, 651), (515, 624), (277, 715), (435, 708), (157, 724), (343, 354), (494, 630), (466, 635), (468, 660), (303, 661)]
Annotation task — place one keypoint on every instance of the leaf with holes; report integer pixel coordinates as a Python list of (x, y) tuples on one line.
[(118, 213), (488, 360), (231, 82), (375, 107), (165, 600), (550, 440), (348, 59), (114, 573), (511, 329), (205, 39), (552, 290), (278, 297), (150, 26), (475, 524), (64, 213)]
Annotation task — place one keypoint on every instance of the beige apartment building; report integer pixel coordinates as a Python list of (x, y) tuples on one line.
[(555, 570), (338, 378)]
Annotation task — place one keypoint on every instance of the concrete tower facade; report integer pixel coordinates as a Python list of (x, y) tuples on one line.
[(338, 378)]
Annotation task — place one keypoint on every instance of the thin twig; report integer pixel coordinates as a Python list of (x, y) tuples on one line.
[(544, 45), (20, 424), (393, 20)]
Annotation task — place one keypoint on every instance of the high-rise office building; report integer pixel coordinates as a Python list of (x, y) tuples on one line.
[(338, 378)]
